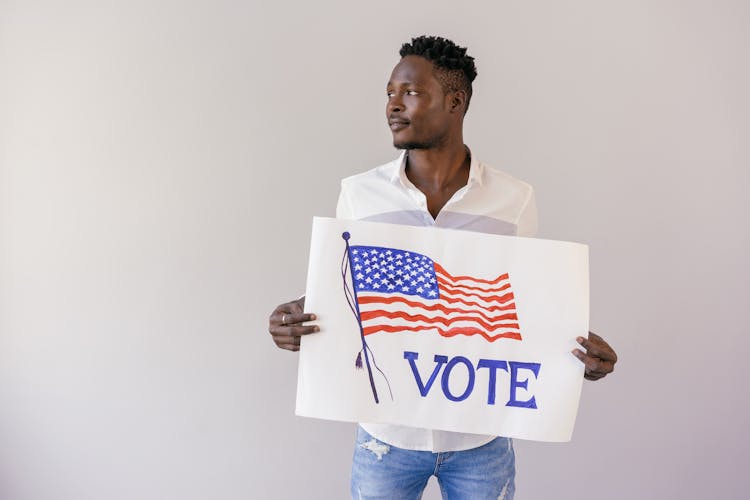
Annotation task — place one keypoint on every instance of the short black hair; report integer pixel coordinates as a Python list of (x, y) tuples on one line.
[(454, 69)]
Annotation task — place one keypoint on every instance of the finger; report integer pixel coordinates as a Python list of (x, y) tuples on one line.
[(293, 331), (288, 346), (286, 319), (296, 318), (598, 347), (595, 368), (592, 363), (280, 339), (293, 307)]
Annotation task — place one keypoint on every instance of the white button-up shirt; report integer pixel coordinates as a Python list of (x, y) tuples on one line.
[(490, 202)]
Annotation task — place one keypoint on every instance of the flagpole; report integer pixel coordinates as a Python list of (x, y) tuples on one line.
[(346, 237)]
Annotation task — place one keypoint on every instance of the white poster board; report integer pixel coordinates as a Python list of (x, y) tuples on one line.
[(444, 329)]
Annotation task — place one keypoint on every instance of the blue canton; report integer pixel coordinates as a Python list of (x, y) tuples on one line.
[(387, 270)]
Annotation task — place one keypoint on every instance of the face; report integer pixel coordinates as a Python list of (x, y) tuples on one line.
[(418, 111)]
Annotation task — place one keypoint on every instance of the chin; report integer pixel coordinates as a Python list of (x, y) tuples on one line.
[(411, 145)]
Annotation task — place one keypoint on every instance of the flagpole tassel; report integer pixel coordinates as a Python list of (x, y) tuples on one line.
[(348, 258)]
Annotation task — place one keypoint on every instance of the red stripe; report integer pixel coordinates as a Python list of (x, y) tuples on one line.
[(504, 284), (490, 298), (390, 300), (445, 333), (440, 269), (446, 284), (442, 308), (368, 315)]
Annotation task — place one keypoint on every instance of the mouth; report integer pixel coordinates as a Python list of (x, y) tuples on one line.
[(398, 124)]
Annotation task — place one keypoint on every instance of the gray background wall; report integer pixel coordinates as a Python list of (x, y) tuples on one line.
[(160, 163)]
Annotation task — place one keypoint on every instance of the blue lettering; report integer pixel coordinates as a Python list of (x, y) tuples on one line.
[(447, 372), (439, 360), (492, 365), (515, 383)]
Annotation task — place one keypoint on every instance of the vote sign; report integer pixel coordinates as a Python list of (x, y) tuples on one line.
[(443, 329)]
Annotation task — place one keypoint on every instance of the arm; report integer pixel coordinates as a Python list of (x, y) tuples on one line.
[(599, 357)]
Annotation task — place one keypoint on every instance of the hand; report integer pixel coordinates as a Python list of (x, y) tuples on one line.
[(599, 357), (285, 324)]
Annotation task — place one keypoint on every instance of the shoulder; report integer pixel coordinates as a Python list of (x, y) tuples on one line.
[(381, 174), (495, 179), (500, 196), (375, 191)]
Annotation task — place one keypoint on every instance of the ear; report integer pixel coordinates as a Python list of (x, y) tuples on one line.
[(457, 102)]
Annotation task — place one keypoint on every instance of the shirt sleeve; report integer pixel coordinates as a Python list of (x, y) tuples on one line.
[(527, 221), (344, 209)]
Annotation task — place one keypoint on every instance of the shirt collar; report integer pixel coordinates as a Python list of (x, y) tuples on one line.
[(399, 174)]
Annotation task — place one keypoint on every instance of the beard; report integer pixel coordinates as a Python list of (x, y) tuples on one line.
[(420, 144), (413, 145), (436, 141)]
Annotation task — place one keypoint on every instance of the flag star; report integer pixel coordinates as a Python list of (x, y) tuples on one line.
[(356, 259), (413, 283), (373, 252), (399, 272), (407, 254), (399, 257), (376, 275), (420, 289), (355, 251), (427, 285), (375, 265), (357, 267), (376, 285), (405, 288), (360, 276), (367, 261), (361, 285), (407, 267), (367, 270), (391, 267), (388, 252), (364, 254), (391, 287), (421, 278), (391, 275), (432, 280), (390, 259), (368, 280), (384, 281), (431, 293), (399, 282), (409, 260), (413, 273)]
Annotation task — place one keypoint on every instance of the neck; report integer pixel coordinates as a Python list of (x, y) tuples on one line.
[(439, 168)]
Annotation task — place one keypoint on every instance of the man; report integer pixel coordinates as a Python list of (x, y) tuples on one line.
[(435, 182)]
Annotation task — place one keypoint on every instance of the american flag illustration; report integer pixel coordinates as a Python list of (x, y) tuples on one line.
[(400, 291)]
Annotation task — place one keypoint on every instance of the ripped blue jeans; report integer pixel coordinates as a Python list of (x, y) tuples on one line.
[(381, 471)]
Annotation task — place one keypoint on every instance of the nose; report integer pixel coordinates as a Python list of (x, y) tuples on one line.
[(394, 104)]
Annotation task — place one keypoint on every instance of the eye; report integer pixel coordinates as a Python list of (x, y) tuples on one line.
[(390, 93), (412, 92)]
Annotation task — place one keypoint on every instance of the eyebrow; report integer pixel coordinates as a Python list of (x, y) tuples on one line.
[(390, 83)]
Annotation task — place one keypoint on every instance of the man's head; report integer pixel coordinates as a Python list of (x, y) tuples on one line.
[(429, 92), (452, 67)]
